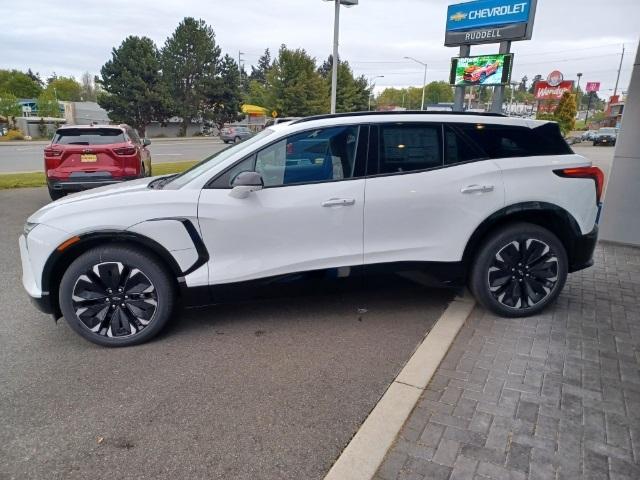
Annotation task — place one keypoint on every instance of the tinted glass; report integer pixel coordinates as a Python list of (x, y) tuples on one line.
[(504, 141), (315, 156), (409, 147), (89, 136), (458, 149)]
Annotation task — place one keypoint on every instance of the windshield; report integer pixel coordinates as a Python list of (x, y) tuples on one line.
[(607, 130), (89, 136), (215, 159)]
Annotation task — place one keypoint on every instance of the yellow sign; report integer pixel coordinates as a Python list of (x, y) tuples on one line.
[(274, 114)]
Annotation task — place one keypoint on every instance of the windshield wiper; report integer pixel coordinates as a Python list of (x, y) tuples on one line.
[(161, 182)]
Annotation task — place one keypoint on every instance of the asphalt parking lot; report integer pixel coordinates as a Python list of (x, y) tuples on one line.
[(270, 390)]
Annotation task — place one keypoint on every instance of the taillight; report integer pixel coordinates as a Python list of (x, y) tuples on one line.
[(585, 172), (50, 152), (124, 150)]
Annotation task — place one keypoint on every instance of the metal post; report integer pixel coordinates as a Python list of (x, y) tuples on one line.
[(334, 71), (458, 102), (424, 86), (498, 92), (586, 117), (615, 90)]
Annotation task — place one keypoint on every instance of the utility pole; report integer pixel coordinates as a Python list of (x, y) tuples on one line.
[(424, 79), (240, 68), (615, 90), (458, 105)]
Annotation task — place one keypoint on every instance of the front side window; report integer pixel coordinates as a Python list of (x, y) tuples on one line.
[(409, 147), (320, 155)]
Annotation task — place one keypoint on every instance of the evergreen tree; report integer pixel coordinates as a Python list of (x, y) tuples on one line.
[(190, 63), (223, 94), (352, 94), (259, 73), (133, 89), (565, 113)]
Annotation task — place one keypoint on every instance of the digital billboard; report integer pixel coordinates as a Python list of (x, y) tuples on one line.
[(488, 70)]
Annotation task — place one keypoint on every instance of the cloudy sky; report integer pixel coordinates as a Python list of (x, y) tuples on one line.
[(74, 36)]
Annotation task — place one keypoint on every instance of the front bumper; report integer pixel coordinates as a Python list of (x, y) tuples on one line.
[(581, 253), (40, 299)]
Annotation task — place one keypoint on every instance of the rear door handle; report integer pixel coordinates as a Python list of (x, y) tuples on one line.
[(339, 202), (477, 189)]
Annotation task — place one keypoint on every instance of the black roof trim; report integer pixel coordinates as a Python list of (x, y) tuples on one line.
[(403, 112)]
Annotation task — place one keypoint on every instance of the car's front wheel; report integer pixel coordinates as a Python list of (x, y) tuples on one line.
[(116, 296), (519, 270)]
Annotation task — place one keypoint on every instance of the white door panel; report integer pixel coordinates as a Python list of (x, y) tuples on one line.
[(282, 229), (429, 216)]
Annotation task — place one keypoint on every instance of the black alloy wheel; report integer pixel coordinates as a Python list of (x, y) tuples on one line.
[(519, 270), (114, 300), (523, 273), (117, 295)]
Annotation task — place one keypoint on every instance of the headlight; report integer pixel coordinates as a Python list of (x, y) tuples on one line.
[(28, 227)]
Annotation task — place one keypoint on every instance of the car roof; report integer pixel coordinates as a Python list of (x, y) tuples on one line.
[(406, 116)]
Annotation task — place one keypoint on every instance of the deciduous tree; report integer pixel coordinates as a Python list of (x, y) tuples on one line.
[(19, 84), (65, 89), (9, 107), (48, 106)]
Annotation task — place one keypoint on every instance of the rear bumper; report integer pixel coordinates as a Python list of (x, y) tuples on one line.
[(78, 181), (581, 254)]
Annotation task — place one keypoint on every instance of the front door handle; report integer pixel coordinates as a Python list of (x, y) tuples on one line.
[(339, 202), (477, 189)]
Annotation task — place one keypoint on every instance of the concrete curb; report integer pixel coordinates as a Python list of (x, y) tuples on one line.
[(365, 452)]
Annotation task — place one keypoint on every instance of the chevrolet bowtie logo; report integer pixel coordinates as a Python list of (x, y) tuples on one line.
[(458, 17)]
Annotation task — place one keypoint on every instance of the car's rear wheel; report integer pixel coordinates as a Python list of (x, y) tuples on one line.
[(116, 296), (519, 270), (56, 194)]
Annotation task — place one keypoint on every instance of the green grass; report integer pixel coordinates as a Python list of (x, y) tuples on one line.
[(36, 179)]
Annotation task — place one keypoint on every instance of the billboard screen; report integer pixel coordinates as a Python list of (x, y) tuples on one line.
[(544, 91), (481, 70), (487, 13)]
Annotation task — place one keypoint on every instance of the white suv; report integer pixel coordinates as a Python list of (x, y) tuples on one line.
[(500, 204)]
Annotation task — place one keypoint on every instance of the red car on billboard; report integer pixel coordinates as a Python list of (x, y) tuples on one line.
[(477, 74), (86, 156)]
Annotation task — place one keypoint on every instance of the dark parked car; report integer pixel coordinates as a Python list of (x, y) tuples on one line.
[(606, 136), (87, 156), (235, 134)]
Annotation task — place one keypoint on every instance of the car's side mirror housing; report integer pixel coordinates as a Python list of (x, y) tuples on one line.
[(146, 142), (244, 183)]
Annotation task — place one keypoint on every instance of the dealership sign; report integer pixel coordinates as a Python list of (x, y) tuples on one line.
[(592, 87), (489, 21), (546, 91)]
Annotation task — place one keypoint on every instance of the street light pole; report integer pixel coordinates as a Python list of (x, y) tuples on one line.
[(371, 86), (334, 70), (424, 80)]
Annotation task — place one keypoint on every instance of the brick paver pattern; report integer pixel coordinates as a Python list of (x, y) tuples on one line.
[(554, 396)]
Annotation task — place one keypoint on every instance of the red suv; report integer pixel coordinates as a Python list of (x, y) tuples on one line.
[(86, 156)]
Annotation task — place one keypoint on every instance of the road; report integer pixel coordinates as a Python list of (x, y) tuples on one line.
[(265, 390), (28, 158)]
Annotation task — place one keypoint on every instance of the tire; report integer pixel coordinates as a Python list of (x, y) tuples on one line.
[(236, 140), (542, 270), (127, 296), (56, 194)]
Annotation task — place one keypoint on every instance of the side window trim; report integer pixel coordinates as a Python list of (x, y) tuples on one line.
[(361, 128), (465, 138)]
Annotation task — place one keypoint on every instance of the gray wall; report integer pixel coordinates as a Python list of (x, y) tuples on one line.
[(621, 214)]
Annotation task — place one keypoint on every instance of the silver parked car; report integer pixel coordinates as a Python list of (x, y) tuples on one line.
[(235, 134)]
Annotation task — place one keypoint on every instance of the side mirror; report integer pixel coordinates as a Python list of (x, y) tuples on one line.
[(146, 142), (244, 183)]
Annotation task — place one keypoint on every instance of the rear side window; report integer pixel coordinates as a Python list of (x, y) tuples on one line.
[(458, 149), (504, 141), (409, 147), (89, 136)]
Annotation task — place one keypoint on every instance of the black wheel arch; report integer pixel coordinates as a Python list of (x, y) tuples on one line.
[(552, 217), (59, 261)]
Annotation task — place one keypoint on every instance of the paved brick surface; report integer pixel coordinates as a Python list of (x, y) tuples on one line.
[(555, 396)]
